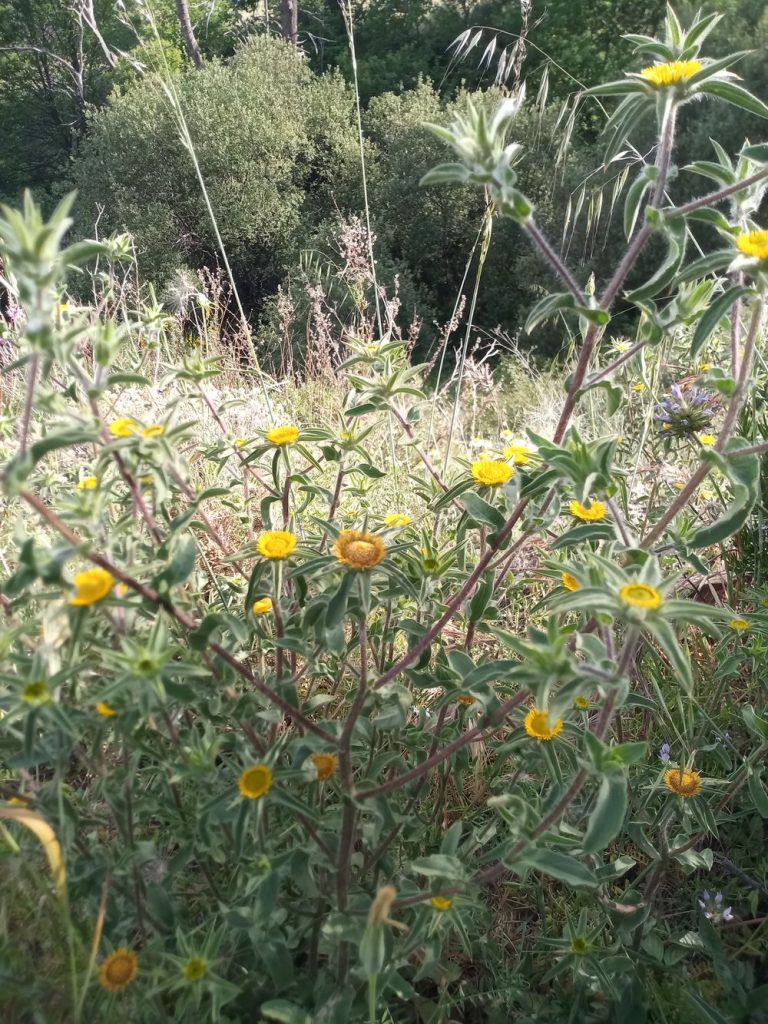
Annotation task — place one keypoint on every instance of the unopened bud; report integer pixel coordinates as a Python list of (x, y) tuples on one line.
[(382, 904)]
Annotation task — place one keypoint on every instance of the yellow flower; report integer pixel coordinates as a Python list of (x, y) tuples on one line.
[(706, 439), (283, 435), (581, 703), (91, 586), (638, 387), (682, 782), (668, 74), (263, 606), (396, 519), (36, 694), (491, 472), (194, 969), (155, 430), (640, 595), (519, 453), (537, 725), (105, 710), (569, 582), (18, 801), (255, 781), (276, 544), (325, 765), (118, 970), (88, 483), (704, 367), (441, 903), (124, 427), (465, 699), (347, 435), (739, 625), (359, 550), (241, 442), (591, 513), (754, 243)]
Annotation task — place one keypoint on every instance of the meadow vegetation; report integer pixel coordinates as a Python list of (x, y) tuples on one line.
[(358, 663)]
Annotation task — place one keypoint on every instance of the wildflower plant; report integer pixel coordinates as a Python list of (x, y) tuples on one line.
[(293, 765)]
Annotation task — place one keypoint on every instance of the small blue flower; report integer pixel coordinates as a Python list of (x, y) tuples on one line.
[(713, 908), (664, 752)]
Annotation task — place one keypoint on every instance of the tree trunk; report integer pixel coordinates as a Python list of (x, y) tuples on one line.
[(289, 20), (188, 34)]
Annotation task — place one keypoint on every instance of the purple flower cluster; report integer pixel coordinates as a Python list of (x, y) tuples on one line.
[(685, 412), (713, 908)]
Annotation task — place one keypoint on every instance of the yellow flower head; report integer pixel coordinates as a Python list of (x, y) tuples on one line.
[(519, 453), (276, 544), (739, 625), (359, 550), (581, 703), (283, 435), (105, 710), (671, 73), (255, 781), (396, 519), (537, 725), (754, 243), (466, 699), (325, 765), (118, 970), (682, 782), (705, 367), (36, 693), (240, 442), (491, 472), (638, 387), (91, 586), (263, 606), (569, 582), (706, 439), (88, 483), (591, 513), (155, 430), (441, 904), (640, 595), (194, 969), (124, 427)]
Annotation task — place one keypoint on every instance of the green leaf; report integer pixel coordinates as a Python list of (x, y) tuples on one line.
[(337, 606), (587, 531), (547, 307), (667, 272), (712, 317), (736, 95), (704, 1008), (373, 950), (758, 793), (446, 174), (607, 817), (284, 1012), (758, 152), (481, 511), (635, 194), (669, 644), (744, 474), (440, 865), (561, 866)]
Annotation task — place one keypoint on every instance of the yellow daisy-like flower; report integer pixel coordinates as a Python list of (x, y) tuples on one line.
[(194, 969), (155, 430), (537, 725), (105, 710), (359, 550), (754, 243), (739, 625), (396, 519), (638, 387), (491, 472), (705, 367), (441, 903), (706, 439), (519, 453), (91, 586), (240, 442), (118, 970), (88, 483), (124, 427), (581, 703), (672, 72), (325, 765), (640, 595), (276, 544), (255, 781), (263, 606), (569, 582), (591, 513), (283, 435), (466, 699), (684, 783)]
